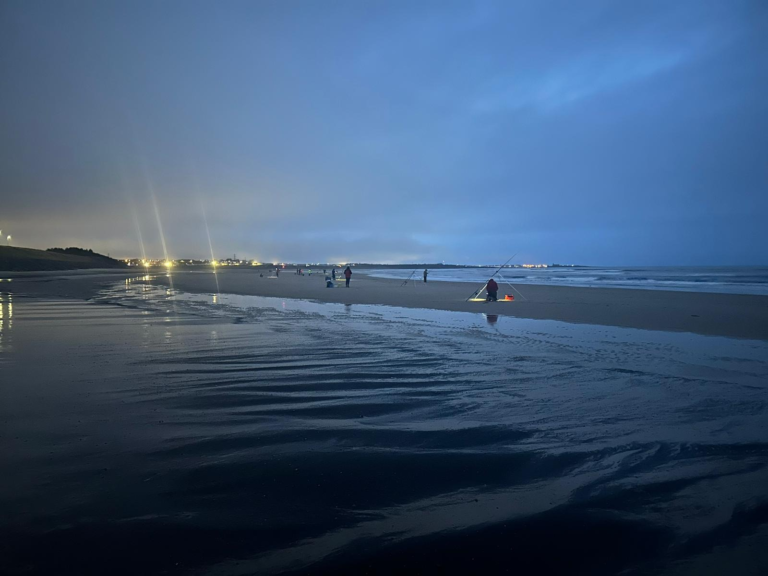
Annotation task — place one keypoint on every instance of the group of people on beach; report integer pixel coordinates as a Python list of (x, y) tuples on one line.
[(332, 280), (492, 288), (347, 274)]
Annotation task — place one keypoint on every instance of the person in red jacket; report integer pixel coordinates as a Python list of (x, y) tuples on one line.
[(348, 275), (493, 289)]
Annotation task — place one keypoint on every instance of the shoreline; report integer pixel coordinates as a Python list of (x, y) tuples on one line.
[(432, 431), (729, 315)]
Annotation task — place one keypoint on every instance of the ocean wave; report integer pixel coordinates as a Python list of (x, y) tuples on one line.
[(732, 281)]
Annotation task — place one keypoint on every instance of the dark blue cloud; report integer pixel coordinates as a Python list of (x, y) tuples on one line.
[(595, 132)]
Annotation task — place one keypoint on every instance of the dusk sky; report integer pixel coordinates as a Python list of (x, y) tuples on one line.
[(611, 132)]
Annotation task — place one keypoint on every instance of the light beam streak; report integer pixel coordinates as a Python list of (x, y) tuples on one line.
[(210, 246), (153, 197)]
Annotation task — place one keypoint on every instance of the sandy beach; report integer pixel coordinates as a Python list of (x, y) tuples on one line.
[(731, 315), (739, 316), (159, 431)]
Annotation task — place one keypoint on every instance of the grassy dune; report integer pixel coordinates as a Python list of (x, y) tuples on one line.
[(14, 259)]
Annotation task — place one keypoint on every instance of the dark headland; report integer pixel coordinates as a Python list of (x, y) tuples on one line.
[(14, 259)]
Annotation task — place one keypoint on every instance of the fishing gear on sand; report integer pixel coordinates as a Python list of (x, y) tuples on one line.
[(409, 277), (477, 293)]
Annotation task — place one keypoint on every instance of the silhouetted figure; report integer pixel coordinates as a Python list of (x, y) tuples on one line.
[(277, 272), (333, 274), (348, 275), (425, 274), (493, 289)]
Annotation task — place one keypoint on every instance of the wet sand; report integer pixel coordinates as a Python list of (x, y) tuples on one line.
[(165, 433), (733, 315), (154, 431)]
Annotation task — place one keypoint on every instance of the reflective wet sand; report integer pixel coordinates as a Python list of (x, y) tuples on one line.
[(154, 431)]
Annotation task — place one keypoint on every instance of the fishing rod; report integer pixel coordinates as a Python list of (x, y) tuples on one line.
[(477, 292), (505, 263), (409, 277)]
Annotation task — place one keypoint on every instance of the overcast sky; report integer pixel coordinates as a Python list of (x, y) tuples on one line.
[(614, 132)]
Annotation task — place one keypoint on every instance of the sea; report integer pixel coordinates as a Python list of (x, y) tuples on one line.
[(145, 430), (722, 279)]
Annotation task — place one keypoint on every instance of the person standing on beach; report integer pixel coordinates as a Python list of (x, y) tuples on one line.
[(333, 274), (493, 289), (425, 274), (277, 272), (348, 275)]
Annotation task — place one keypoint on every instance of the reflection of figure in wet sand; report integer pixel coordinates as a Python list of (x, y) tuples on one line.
[(492, 318)]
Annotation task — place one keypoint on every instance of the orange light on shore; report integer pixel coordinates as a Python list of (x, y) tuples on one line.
[(168, 264)]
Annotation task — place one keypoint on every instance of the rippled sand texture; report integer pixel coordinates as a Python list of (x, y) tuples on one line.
[(149, 432)]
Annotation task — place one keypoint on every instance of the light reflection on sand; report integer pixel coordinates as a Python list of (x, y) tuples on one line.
[(6, 318), (281, 429)]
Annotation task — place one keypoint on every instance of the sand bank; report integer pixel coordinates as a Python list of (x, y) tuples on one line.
[(740, 316), (732, 315)]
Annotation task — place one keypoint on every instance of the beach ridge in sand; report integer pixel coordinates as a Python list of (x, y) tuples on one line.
[(730, 315), (733, 315)]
